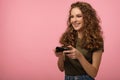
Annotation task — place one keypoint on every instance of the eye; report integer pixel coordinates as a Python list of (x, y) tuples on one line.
[(79, 16)]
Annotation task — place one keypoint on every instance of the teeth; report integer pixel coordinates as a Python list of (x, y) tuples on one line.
[(76, 24)]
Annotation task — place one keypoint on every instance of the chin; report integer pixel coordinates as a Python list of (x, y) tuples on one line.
[(77, 29)]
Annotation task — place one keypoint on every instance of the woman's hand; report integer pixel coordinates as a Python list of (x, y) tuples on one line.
[(60, 55), (73, 53)]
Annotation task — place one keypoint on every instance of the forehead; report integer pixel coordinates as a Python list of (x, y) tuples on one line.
[(76, 10)]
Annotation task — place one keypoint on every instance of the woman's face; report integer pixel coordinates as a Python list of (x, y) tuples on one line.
[(76, 18)]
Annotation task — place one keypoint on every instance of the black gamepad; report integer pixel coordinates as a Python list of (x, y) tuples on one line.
[(61, 49)]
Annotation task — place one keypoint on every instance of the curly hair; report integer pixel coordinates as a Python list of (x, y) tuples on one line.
[(91, 29)]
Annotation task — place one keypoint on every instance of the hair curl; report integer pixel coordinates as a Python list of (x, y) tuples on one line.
[(91, 30)]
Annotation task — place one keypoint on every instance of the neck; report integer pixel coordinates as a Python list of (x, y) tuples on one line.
[(80, 35)]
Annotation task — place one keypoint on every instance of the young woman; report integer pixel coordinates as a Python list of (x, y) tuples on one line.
[(84, 38)]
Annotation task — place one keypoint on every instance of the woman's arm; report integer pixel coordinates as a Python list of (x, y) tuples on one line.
[(91, 69), (60, 62)]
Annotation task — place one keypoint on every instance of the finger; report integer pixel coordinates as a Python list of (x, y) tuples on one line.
[(71, 56), (58, 55), (67, 52), (70, 46)]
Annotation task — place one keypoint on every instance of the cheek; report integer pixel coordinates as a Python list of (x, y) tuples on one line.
[(81, 19), (71, 20)]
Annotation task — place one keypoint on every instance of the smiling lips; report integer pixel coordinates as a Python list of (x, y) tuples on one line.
[(76, 24)]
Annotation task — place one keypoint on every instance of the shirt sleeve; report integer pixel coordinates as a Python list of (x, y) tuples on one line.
[(101, 47)]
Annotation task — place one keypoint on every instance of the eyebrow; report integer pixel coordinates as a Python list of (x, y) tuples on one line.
[(76, 14)]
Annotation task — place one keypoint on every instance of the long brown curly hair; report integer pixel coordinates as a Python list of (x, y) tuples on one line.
[(91, 30)]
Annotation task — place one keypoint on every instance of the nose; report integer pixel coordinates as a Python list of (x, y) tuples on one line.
[(74, 19)]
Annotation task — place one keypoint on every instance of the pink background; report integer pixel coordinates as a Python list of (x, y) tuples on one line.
[(30, 30)]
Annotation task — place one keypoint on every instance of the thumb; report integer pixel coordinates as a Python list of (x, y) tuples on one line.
[(70, 46)]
